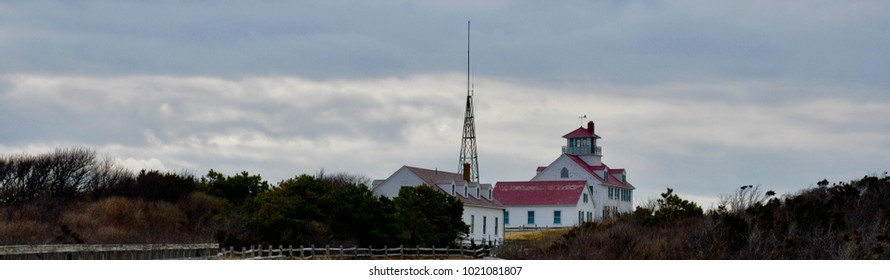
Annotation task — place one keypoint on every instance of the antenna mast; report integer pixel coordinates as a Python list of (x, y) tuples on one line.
[(469, 162)]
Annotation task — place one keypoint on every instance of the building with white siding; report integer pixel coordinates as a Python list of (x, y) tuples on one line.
[(482, 212), (574, 188)]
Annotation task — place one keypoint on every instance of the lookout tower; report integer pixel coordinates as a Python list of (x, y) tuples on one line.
[(581, 142)]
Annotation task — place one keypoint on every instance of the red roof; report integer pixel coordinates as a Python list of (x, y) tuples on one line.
[(613, 181), (580, 133), (539, 192)]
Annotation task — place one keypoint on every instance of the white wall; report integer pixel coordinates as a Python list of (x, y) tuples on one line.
[(403, 177), (600, 193), (543, 216), (490, 214)]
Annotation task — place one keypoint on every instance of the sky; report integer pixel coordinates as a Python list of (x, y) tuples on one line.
[(699, 96)]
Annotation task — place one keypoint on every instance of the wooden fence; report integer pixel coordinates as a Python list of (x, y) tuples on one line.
[(212, 251), (110, 252), (328, 252)]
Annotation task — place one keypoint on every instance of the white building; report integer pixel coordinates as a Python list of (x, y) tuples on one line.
[(481, 211), (576, 187)]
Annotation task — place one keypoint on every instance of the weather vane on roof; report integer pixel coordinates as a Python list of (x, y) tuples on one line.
[(582, 117)]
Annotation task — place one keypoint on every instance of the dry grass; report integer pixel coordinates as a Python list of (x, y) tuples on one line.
[(24, 232), (122, 220), (544, 234)]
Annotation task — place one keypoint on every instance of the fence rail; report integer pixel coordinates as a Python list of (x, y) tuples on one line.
[(340, 252), (110, 252), (212, 251)]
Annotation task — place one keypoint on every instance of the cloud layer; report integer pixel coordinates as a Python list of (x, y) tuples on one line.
[(284, 126)]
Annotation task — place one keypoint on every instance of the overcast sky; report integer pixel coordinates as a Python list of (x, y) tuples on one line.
[(699, 96)]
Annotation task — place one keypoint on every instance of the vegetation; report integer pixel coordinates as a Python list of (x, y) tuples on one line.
[(72, 196), (429, 217), (849, 220)]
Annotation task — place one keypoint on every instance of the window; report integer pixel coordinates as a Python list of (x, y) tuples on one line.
[(589, 216), (472, 224), (580, 217), (484, 223), (585, 198), (564, 173), (506, 217), (610, 212), (557, 217), (452, 189), (477, 192), (531, 217), (610, 193), (495, 225)]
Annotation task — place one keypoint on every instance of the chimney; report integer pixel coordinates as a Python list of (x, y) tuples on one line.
[(466, 171), (590, 127)]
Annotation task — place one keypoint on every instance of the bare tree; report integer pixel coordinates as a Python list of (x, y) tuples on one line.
[(343, 178), (743, 198)]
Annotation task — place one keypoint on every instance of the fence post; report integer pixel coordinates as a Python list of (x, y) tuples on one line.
[(341, 251), (313, 251), (290, 250), (302, 254)]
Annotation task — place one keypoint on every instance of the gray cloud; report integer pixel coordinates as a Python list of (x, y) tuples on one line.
[(580, 42), (285, 126)]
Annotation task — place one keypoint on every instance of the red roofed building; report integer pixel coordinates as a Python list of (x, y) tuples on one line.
[(574, 188)]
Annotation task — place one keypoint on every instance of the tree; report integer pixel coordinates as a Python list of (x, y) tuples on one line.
[(429, 217), (745, 197), (671, 208), (355, 214), (235, 189), (167, 186), (308, 210)]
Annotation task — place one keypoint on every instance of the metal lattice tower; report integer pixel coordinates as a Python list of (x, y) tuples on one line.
[(468, 141)]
